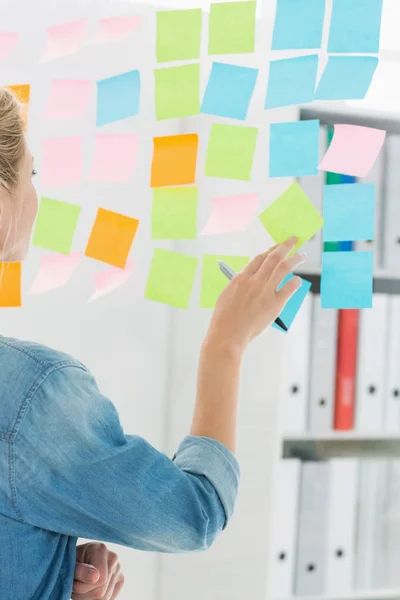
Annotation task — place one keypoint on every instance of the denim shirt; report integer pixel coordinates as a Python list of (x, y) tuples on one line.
[(68, 470)]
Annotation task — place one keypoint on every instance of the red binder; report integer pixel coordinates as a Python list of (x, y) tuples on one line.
[(346, 370)]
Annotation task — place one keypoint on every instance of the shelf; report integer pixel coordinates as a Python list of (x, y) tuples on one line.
[(330, 113), (385, 282), (356, 595), (340, 436)]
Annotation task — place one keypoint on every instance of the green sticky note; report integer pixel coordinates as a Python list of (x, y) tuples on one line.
[(171, 278), (178, 35), (55, 225), (174, 214), (230, 151), (292, 214), (177, 91), (213, 282), (232, 28)]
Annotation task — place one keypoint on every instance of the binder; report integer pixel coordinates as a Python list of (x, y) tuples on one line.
[(312, 537), (342, 515), (372, 482), (284, 528), (392, 526), (322, 367), (346, 367), (391, 204), (392, 390), (370, 383), (296, 357), (314, 188)]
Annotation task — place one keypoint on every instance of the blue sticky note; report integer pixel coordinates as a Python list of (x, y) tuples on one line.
[(291, 81), (298, 24), (346, 78), (294, 149), (229, 91), (118, 97), (293, 305), (349, 212), (355, 26), (347, 279)]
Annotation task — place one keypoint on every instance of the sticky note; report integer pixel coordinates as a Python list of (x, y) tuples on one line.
[(347, 280), (114, 157), (64, 39), (353, 150), (229, 91), (213, 282), (118, 97), (177, 91), (178, 34), (230, 151), (346, 78), (232, 28), (68, 99), (294, 304), (174, 160), (22, 93), (62, 161), (55, 271), (231, 214), (291, 81), (174, 213), (114, 29), (10, 289), (294, 149), (355, 26), (171, 278), (111, 238), (55, 225), (292, 214), (298, 24), (8, 41), (110, 280), (349, 212)]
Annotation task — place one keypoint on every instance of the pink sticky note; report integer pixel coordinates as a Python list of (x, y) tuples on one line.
[(68, 99), (62, 161), (110, 279), (8, 41), (64, 39), (114, 157), (353, 150), (231, 213), (55, 271), (115, 28)]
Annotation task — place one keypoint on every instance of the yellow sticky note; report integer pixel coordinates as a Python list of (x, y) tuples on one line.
[(23, 93), (174, 213), (171, 278), (213, 282), (10, 284)]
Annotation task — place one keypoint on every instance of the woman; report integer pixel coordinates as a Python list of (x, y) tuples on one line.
[(67, 469)]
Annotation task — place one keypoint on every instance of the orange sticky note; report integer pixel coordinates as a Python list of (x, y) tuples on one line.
[(10, 284), (111, 238), (174, 160), (23, 93)]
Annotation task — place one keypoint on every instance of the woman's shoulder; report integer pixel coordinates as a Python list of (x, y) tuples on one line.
[(18, 351)]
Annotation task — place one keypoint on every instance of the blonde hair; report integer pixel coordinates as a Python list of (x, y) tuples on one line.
[(12, 140)]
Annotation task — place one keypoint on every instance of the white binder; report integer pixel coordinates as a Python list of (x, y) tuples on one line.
[(392, 390), (322, 367), (342, 514), (314, 188), (391, 207), (370, 384), (296, 358), (312, 539), (284, 529), (392, 526), (376, 176)]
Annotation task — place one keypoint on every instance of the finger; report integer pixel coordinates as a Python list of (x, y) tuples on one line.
[(118, 588), (256, 263), (287, 291), (113, 563), (98, 557), (111, 586), (275, 257), (86, 573), (285, 267)]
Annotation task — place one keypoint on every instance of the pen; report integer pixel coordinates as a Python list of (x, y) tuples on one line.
[(230, 274)]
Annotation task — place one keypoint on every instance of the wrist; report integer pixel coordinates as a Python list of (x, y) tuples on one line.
[(216, 347)]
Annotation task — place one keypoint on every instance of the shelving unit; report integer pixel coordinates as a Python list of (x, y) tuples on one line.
[(359, 595)]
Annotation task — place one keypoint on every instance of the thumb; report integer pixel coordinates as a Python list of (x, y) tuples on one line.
[(86, 573)]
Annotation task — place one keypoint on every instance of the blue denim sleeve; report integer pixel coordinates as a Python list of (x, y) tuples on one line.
[(77, 473)]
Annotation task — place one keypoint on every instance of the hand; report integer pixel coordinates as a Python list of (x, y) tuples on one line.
[(251, 302), (97, 573)]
